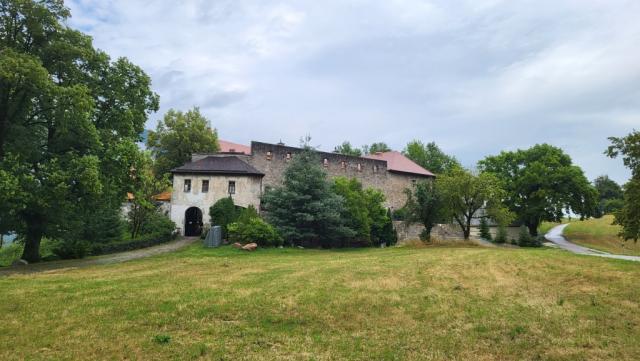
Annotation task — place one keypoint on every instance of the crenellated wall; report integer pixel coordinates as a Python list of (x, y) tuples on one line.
[(272, 160)]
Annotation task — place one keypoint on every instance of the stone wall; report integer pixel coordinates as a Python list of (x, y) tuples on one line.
[(248, 192), (272, 160), (448, 232)]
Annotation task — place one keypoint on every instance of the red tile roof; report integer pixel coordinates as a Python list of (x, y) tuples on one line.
[(397, 162), (229, 147)]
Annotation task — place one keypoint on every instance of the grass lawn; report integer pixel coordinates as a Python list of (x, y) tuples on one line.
[(600, 234), (455, 303)]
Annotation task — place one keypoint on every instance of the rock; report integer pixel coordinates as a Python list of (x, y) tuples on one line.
[(19, 262), (250, 246), (236, 245)]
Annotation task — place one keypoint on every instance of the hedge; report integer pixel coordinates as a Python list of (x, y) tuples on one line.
[(143, 241)]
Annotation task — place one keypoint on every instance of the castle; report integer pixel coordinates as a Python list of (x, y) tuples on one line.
[(245, 173)]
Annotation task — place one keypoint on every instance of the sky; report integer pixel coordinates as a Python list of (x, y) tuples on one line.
[(477, 77)]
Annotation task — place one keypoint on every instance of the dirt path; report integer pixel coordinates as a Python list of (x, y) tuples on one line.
[(106, 259), (555, 236)]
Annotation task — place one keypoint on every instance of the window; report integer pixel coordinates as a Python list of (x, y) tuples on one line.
[(288, 156), (343, 164), (187, 185), (205, 186), (375, 168), (232, 187), (359, 167), (325, 162), (269, 155), (413, 182)]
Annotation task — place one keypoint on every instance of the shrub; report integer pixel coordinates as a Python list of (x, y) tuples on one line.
[(501, 235), (254, 230), (158, 225), (70, 249), (526, 240), (485, 233), (222, 213)]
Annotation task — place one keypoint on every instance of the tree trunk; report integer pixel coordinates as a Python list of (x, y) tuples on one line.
[(533, 229), (35, 230), (1, 240)]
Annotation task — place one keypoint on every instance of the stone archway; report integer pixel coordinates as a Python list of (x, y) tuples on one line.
[(192, 222)]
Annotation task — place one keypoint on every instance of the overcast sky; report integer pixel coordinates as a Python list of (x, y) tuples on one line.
[(476, 77)]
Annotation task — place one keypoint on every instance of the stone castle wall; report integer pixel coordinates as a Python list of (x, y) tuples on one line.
[(272, 160)]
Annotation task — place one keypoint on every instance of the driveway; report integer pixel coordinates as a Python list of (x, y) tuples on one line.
[(555, 236), (106, 259)]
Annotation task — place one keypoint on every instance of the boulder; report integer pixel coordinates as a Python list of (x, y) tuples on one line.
[(236, 245), (250, 246)]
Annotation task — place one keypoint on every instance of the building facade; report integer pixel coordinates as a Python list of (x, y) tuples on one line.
[(244, 173)]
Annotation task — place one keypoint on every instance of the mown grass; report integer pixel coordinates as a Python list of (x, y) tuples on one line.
[(369, 304), (602, 235)]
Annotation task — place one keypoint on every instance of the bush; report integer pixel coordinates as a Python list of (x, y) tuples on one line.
[(526, 240), (501, 235), (144, 241), (485, 233), (158, 225), (222, 213), (254, 230), (70, 249)]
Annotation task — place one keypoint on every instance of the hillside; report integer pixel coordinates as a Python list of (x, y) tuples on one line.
[(600, 234)]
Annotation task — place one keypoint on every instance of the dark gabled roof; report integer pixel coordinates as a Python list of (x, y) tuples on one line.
[(218, 165)]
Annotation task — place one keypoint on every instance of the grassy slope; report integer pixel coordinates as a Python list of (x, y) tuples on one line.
[(602, 235), (384, 304)]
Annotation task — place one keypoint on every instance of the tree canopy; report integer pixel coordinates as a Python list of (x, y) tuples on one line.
[(424, 205), (610, 195), (68, 117), (346, 149), (375, 147), (541, 183), (429, 156), (462, 194), (629, 215), (179, 135)]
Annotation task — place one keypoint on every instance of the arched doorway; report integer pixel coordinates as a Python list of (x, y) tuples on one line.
[(192, 222)]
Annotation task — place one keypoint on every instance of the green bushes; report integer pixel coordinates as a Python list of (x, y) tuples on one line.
[(485, 233), (251, 228), (222, 213), (501, 235), (70, 249), (526, 240)]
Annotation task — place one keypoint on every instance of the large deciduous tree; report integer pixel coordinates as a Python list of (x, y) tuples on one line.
[(541, 184), (629, 215), (304, 209), (179, 135), (64, 107), (430, 156), (462, 194), (375, 148)]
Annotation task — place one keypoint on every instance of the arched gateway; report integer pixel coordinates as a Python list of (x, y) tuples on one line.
[(192, 222)]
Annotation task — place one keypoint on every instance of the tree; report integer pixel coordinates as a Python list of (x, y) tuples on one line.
[(541, 183), (430, 156), (179, 135), (485, 233), (463, 194), (346, 149), (610, 195), (304, 209), (144, 187), (375, 147), (356, 213), (629, 215), (424, 205), (63, 106)]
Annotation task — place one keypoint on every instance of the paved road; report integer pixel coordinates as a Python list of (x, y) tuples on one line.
[(106, 259), (555, 236)]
